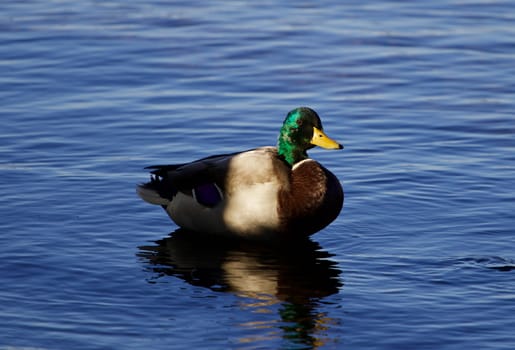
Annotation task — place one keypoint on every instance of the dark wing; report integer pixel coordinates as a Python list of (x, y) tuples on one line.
[(167, 180)]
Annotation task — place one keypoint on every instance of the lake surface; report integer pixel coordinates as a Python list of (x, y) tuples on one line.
[(421, 94)]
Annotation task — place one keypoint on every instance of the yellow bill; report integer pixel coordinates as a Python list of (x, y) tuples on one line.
[(321, 139)]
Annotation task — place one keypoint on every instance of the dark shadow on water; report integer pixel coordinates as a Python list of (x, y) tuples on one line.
[(293, 275)]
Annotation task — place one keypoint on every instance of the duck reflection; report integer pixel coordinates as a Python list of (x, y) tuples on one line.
[(295, 275)]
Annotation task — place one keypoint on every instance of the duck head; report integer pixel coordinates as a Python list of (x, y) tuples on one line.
[(302, 129)]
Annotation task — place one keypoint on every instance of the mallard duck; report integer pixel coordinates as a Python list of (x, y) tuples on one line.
[(264, 192)]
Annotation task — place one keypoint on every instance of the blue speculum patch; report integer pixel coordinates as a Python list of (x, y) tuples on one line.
[(207, 194)]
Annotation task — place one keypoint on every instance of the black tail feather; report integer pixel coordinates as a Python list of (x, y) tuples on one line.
[(161, 184)]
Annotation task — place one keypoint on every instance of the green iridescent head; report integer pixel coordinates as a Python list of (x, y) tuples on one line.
[(302, 130)]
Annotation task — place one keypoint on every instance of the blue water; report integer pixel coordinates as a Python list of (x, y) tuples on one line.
[(421, 94)]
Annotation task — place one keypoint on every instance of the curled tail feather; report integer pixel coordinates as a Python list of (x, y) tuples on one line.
[(157, 191)]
